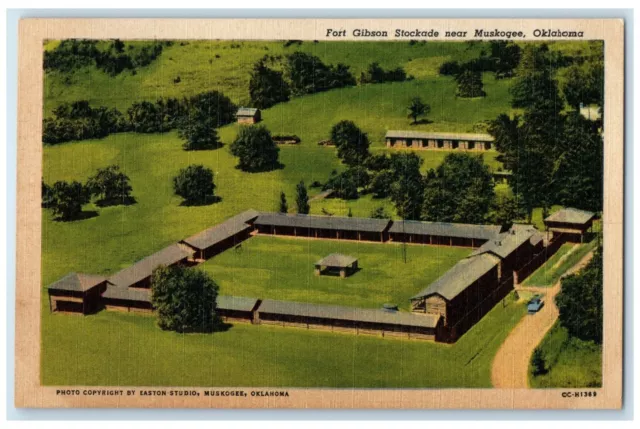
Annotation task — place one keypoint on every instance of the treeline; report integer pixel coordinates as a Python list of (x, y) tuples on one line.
[(79, 121), (116, 57), (276, 79)]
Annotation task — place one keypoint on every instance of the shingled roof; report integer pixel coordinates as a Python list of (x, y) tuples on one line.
[(127, 294), (222, 231), (246, 111), (571, 215), (351, 314), (506, 243), (236, 303), (144, 268), (401, 134), (323, 222), (460, 276), (444, 229), (77, 282), (336, 260)]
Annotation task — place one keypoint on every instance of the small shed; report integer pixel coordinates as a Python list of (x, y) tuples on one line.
[(337, 262), (248, 115), (570, 224), (76, 293)]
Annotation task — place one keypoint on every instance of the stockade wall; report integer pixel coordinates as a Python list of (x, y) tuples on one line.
[(537, 261)]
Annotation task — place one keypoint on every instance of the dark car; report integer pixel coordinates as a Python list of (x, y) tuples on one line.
[(535, 304)]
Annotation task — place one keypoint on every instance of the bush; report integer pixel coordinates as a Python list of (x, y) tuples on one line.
[(195, 184), (67, 199), (255, 149), (185, 300)]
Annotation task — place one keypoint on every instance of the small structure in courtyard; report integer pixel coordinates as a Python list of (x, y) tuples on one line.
[(337, 262), (572, 224), (248, 115)]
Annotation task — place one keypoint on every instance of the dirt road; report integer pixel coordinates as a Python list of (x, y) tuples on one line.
[(511, 365)]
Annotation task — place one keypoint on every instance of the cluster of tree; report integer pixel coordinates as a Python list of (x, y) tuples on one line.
[(470, 84), (302, 200), (185, 300), (255, 149), (109, 185), (460, 190), (196, 118), (376, 74), (267, 86), (584, 84), (555, 158), (347, 183), (307, 74), (580, 301), (79, 121), (195, 185), (503, 59), (352, 143), (113, 59)]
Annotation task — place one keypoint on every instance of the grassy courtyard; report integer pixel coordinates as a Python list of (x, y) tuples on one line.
[(282, 268)]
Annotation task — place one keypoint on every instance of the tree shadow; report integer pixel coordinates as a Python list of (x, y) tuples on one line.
[(207, 202), (88, 214), (421, 122), (127, 201), (217, 146), (266, 169)]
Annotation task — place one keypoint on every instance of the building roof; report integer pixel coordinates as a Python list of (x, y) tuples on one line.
[(352, 314), (401, 134), (506, 243), (144, 268), (323, 222), (222, 231), (127, 294), (237, 303), (571, 215), (246, 111), (337, 260), (460, 276), (444, 229), (77, 282)]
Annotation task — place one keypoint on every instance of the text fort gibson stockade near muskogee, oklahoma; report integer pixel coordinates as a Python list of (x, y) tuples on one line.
[(441, 311)]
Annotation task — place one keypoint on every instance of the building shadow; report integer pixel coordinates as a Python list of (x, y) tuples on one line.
[(116, 202)]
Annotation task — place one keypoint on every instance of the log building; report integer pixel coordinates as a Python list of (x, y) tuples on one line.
[(77, 293), (248, 115), (570, 224), (442, 233), (432, 141)]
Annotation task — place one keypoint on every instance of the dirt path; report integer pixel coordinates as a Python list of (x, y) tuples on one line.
[(510, 368)]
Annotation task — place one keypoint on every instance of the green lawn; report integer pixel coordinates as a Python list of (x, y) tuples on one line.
[(571, 362), (566, 257), (121, 349), (282, 268)]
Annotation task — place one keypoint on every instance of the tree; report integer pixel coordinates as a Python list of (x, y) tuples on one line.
[(198, 131), (47, 195), (352, 143), (578, 168), (111, 186), (194, 184), (459, 190), (302, 198), (255, 149), (67, 199), (469, 84), (381, 181), (417, 108), (185, 299), (344, 185), (214, 105), (538, 362), (349, 213), (267, 87), (506, 56), (407, 189), (376, 74), (505, 210), (283, 207), (308, 74), (145, 117), (534, 86), (580, 301)]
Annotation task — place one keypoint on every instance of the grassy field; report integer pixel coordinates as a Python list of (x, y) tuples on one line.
[(566, 257), (120, 349), (571, 362), (282, 268)]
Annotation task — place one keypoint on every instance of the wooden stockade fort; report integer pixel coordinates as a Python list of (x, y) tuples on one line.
[(442, 311)]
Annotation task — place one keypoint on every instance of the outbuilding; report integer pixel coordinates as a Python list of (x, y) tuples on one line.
[(76, 293), (432, 140), (248, 115), (570, 224)]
